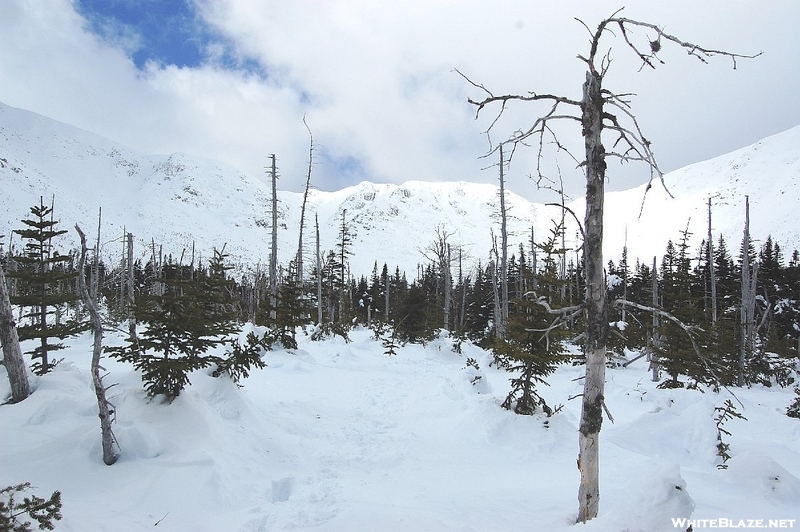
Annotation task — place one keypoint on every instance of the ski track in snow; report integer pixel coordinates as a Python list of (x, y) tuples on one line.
[(338, 436)]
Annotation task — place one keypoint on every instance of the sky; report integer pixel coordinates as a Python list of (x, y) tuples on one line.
[(376, 82)]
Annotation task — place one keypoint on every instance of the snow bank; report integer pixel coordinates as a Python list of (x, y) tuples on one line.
[(338, 436)]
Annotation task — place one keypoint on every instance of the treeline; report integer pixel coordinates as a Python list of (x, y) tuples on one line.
[(691, 329)]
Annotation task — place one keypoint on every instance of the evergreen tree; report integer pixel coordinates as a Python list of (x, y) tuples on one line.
[(638, 325), (676, 353), (43, 511), (479, 308), (412, 320), (44, 285), (185, 321), (533, 345), (293, 310)]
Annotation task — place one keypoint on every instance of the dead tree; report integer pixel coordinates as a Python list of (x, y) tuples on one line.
[(273, 254), (712, 270), (655, 339), (129, 290), (299, 262), (12, 354), (105, 408), (595, 112), (438, 252), (747, 312), (319, 273), (503, 246)]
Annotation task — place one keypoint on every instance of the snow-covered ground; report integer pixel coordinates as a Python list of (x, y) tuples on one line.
[(338, 436)]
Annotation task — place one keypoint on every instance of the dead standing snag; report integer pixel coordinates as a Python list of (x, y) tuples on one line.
[(598, 111)]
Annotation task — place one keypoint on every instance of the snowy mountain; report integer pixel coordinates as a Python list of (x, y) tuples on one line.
[(767, 171), (177, 200)]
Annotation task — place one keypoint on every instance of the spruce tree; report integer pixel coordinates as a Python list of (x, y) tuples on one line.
[(412, 321), (190, 317), (676, 353), (479, 308), (44, 285), (533, 346), (293, 310)]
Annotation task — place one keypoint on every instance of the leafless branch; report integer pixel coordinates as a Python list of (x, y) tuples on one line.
[(648, 57), (688, 329), (539, 126), (575, 216), (608, 413)]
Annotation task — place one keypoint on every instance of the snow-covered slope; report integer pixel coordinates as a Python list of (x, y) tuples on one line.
[(175, 200), (768, 172)]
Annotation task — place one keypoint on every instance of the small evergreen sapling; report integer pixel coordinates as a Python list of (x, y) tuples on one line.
[(725, 413), (43, 511), (793, 410), (242, 358), (390, 343), (533, 344)]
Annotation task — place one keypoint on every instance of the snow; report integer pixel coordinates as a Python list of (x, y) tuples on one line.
[(181, 200), (338, 436)]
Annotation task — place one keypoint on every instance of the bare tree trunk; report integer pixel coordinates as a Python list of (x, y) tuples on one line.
[(447, 289), (713, 269), (319, 274), (498, 320), (107, 437), (596, 309), (656, 338), (748, 305), (464, 282), (534, 261), (131, 296), (299, 261), (273, 256), (624, 275), (503, 246), (12, 354), (386, 294)]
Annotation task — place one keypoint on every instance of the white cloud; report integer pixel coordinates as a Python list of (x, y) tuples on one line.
[(376, 82)]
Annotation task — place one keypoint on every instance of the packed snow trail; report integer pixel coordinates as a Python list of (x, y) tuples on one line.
[(338, 436)]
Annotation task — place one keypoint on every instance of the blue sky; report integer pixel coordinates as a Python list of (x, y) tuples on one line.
[(167, 32), (232, 80)]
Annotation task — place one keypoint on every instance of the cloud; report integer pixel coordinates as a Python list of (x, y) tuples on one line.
[(375, 81)]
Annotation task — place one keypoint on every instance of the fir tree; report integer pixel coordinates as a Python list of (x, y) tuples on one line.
[(533, 345), (677, 354), (293, 310), (43, 511), (412, 322), (183, 323), (44, 284)]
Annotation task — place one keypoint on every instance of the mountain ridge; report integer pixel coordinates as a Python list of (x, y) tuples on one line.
[(181, 199)]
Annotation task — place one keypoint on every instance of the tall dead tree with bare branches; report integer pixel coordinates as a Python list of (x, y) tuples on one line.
[(299, 262), (599, 110)]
